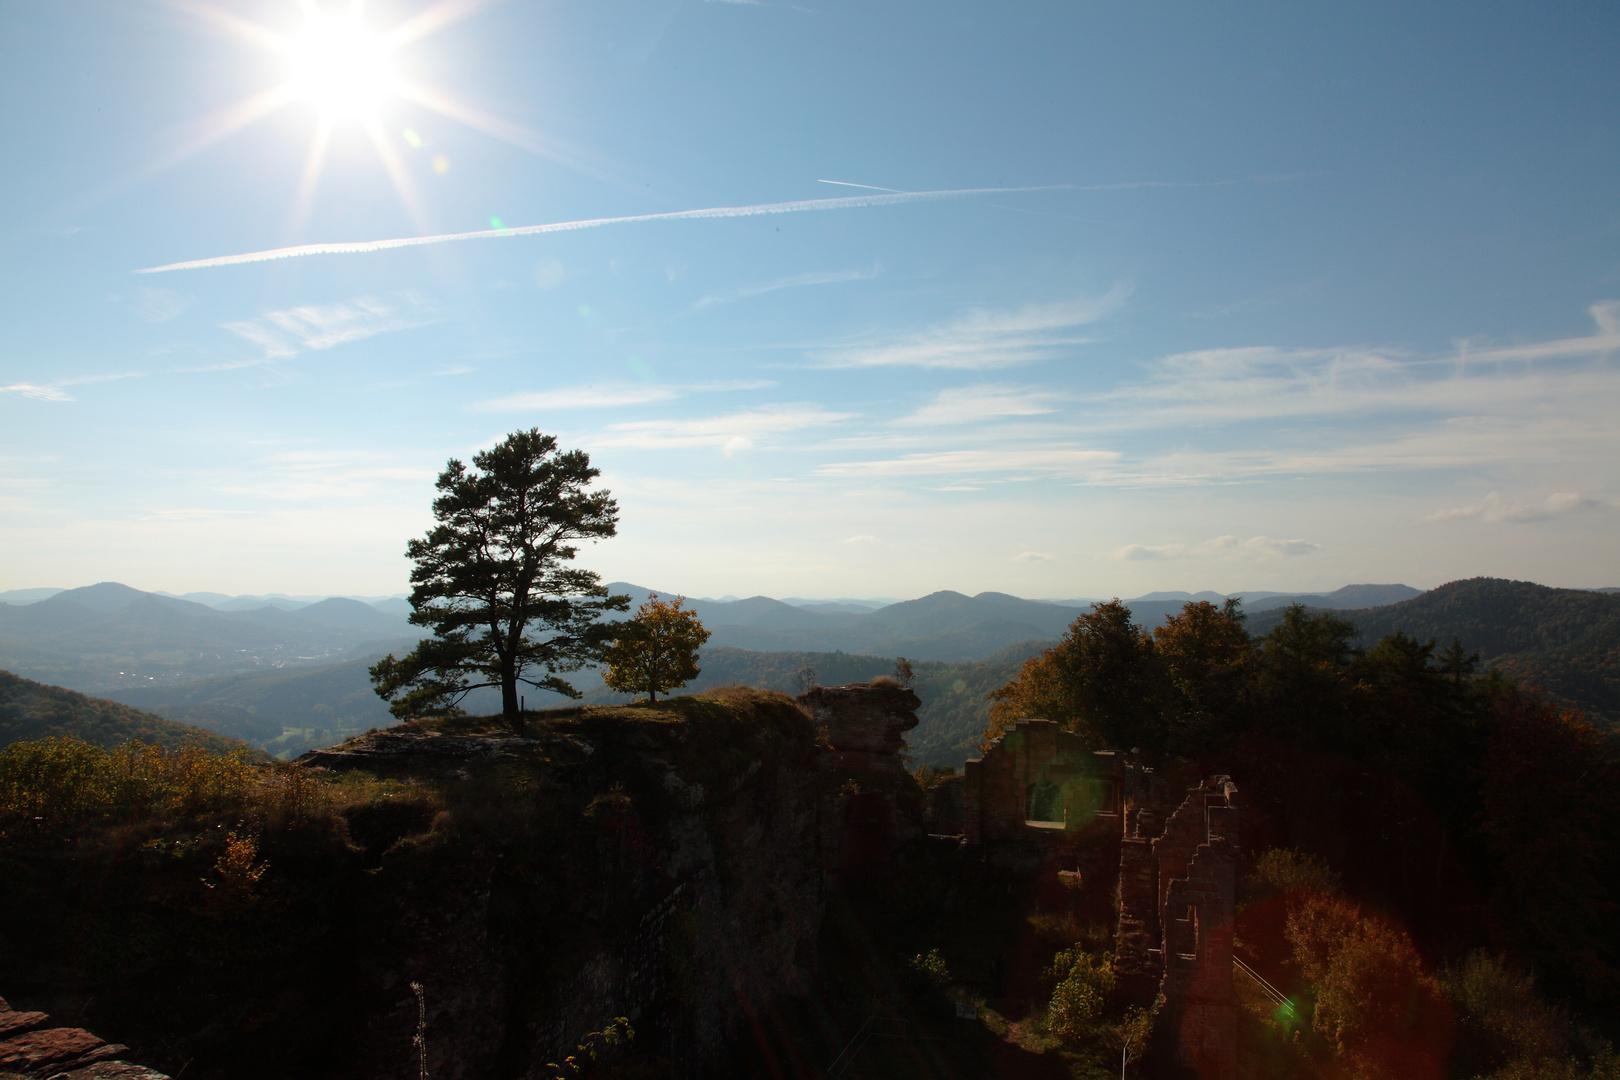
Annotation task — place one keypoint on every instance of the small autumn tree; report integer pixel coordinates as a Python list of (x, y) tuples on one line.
[(656, 651)]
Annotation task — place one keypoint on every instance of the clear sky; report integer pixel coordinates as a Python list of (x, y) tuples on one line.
[(1224, 296)]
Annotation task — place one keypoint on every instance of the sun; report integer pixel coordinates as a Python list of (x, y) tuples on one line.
[(341, 66), (349, 73)]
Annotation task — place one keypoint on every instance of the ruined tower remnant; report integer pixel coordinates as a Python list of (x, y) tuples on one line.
[(1177, 889), (873, 806)]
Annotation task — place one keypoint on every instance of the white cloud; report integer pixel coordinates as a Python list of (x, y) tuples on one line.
[(742, 430), (1494, 508), (983, 338), (863, 538), (972, 404), (596, 396), (1051, 460), (33, 390), (322, 326), (610, 395), (1255, 547), (1237, 385), (1032, 556), (832, 277), (1143, 552)]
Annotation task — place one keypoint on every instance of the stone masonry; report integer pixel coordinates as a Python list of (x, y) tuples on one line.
[(1039, 802), (1177, 890)]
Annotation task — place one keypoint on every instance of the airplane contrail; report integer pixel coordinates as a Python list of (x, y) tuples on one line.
[(361, 247)]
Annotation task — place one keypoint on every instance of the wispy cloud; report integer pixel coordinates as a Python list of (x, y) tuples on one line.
[(155, 305), (797, 281), (862, 538), (974, 404), (294, 475), (742, 430), (598, 396), (53, 391), (322, 326), (1495, 508), (983, 338), (1032, 556), (1253, 547), (797, 206), (35, 391), (609, 395), (1046, 460)]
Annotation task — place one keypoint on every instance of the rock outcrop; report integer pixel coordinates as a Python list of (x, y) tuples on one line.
[(31, 1044), (685, 886)]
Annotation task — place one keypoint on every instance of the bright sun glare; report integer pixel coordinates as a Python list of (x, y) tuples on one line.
[(347, 72), (340, 67)]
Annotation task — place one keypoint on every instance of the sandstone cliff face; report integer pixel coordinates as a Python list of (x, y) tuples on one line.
[(685, 894), (661, 863)]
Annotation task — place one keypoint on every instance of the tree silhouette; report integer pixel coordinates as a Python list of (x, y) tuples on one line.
[(491, 580)]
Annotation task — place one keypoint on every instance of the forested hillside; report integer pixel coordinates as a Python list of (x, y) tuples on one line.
[(1565, 642), (31, 710), (283, 711)]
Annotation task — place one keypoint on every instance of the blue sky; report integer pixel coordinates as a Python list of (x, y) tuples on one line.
[(1265, 297)]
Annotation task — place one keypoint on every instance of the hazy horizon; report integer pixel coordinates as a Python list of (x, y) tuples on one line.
[(6, 595), (1057, 301)]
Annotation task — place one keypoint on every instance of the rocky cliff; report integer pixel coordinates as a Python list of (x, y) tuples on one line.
[(658, 863)]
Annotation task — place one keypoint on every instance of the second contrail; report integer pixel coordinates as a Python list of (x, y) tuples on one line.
[(360, 247)]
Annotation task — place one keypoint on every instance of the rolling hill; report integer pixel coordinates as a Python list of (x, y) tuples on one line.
[(1565, 642), (946, 627), (31, 710), (109, 636)]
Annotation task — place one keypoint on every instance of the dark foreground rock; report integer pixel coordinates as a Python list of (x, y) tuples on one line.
[(32, 1045)]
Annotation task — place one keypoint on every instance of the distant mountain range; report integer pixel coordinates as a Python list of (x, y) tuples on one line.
[(287, 679), (109, 636), (949, 627)]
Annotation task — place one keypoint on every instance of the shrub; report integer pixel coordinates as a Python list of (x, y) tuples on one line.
[(1375, 1004), (931, 966), (1085, 983), (1284, 871), (63, 783)]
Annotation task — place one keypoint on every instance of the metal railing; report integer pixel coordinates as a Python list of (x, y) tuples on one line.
[(876, 1027), (1277, 996)]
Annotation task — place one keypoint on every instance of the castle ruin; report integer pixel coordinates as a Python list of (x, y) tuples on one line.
[(1038, 802)]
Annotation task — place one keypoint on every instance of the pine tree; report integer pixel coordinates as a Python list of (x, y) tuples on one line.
[(491, 579)]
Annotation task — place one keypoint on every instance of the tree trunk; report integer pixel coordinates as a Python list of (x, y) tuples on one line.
[(509, 694)]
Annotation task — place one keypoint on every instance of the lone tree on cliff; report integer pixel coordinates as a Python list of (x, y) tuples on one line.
[(490, 579), (656, 651)]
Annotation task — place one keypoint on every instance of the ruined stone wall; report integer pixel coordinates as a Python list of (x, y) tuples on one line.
[(1039, 800), (1177, 893)]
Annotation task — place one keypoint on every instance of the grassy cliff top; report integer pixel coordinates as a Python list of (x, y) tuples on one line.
[(725, 705)]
